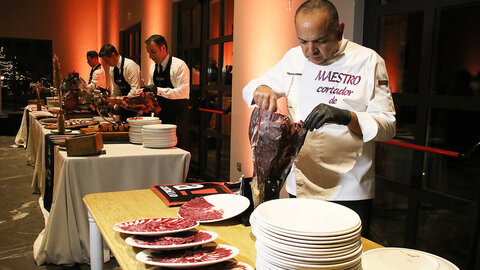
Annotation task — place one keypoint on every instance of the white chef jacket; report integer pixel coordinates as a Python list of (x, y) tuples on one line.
[(334, 163), (98, 79), (179, 76), (131, 73)]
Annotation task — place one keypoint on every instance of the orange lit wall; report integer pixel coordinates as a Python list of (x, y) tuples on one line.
[(393, 43), (108, 22), (156, 19), (264, 31), (70, 24), (116, 15)]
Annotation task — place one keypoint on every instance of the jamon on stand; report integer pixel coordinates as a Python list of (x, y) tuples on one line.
[(142, 103), (275, 142)]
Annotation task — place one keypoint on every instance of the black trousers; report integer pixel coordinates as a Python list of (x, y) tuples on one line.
[(363, 208)]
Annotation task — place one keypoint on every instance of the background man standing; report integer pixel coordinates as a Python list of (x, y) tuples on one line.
[(125, 75), (169, 81), (97, 73)]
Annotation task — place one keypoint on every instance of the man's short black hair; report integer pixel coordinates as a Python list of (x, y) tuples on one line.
[(325, 5), (92, 54), (107, 50), (158, 39)]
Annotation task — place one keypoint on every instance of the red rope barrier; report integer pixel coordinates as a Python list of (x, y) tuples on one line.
[(423, 148)]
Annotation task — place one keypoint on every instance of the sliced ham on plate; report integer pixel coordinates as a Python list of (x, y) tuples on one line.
[(199, 209)]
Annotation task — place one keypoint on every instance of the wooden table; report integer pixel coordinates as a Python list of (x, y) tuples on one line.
[(112, 207)]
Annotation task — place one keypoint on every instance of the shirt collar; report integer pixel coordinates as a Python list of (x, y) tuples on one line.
[(119, 63), (339, 53), (165, 62)]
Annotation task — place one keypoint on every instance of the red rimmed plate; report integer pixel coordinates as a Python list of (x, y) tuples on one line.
[(155, 226), (179, 240), (187, 258)]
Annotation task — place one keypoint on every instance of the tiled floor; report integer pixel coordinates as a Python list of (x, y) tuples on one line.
[(20, 217)]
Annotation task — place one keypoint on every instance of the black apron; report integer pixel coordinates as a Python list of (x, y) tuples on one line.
[(91, 73), (120, 80), (174, 111), (124, 89)]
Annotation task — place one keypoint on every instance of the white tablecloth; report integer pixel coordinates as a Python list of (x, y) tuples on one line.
[(35, 145), (65, 239)]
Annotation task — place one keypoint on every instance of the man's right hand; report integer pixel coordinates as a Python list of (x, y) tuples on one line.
[(265, 98), (150, 88)]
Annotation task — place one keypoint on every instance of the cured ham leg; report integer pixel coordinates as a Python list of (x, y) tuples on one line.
[(275, 142), (142, 103)]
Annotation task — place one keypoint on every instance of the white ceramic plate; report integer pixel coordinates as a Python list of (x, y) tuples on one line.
[(338, 251), (136, 241), (120, 227), (162, 127), (328, 259), (145, 256), (315, 240), (296, 265), (231, 204), (393, 258), (330, 246), (308, 217)]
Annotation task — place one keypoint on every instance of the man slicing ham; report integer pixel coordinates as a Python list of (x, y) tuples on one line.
[(340, 90)]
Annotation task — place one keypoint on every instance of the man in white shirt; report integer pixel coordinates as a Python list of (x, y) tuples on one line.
[(340, 90), (125, 75), (169, 81), (97, 73)]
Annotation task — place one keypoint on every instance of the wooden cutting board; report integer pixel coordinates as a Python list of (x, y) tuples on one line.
[(107, 136)]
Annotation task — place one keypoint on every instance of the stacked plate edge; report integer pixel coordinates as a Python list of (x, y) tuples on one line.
[(136, 124), (159, 136), (306, 234)]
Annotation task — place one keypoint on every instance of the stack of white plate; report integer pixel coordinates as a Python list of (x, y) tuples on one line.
[(159, 136), (306, 234), (136, 124)]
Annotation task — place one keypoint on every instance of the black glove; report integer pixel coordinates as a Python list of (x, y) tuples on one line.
[(324, 113), (150, 89)]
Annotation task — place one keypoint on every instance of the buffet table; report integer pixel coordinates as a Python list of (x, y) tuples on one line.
[(31, 135), (124, 167), (112, 207)]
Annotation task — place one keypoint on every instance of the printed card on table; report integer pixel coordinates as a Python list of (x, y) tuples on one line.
[(178, 194)]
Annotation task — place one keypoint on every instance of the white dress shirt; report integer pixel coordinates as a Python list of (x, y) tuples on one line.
[(98, 79), (131, 73)]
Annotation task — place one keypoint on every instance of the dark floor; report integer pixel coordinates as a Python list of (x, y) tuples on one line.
[(20, 217)]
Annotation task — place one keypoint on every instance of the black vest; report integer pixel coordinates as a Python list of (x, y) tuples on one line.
[(91, 73), (174, 111), (120, 80)]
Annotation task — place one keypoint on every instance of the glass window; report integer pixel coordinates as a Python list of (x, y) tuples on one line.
[(214, 19), (197, 25), (406, 120), (186, 32), (228, 24), (393, 163), (458, 56), (227, 63), (400, 44), (442, 230), (388, 220), (212, 68), (386, 2), (453, 129)]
